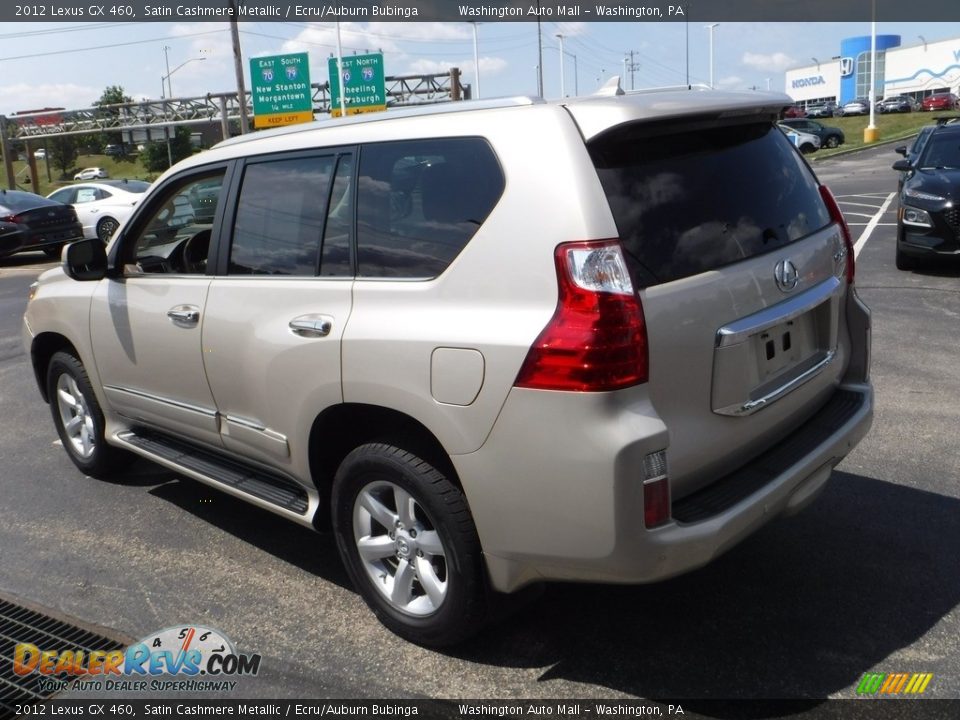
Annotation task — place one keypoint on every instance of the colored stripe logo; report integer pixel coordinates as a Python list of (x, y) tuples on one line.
[(894, 683)]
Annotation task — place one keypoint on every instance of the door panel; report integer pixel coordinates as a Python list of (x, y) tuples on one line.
[(151, 363), (268, 380)]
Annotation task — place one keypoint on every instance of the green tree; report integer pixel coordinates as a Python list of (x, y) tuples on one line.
[(155, 154), (112, 95), (63, 152)]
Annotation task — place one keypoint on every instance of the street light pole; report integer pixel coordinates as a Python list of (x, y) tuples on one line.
[(166, 57), (563, 89), (476, 63), (171, 72), (710, 28)]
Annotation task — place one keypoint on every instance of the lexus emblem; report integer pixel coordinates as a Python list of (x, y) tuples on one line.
[(786, 275)]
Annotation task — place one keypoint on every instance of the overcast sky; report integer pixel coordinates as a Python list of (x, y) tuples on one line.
[(69, 65)]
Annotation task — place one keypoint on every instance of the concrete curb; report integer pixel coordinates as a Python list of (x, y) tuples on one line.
[(861, 148)]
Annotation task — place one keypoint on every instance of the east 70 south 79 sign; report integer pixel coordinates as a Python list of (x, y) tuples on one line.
[(280, 85)]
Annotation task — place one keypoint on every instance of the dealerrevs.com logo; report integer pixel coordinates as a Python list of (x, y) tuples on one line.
[(183, 658), (894, 683)]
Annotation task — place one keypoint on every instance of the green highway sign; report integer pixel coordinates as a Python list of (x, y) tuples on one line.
[(363, 79), (280, 86)]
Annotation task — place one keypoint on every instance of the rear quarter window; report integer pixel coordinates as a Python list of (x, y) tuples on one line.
[(420, 202), (688, 202)]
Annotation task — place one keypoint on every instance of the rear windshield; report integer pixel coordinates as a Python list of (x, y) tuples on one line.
[(688, 202)]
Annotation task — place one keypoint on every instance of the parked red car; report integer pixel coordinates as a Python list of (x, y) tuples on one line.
[(941, 101), (794, 111)]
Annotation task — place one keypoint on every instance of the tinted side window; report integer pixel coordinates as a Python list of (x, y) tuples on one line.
[(280, 213), (685, 203), (420, 202)]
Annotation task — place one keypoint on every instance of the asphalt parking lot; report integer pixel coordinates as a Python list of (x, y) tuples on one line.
[(865, 579)]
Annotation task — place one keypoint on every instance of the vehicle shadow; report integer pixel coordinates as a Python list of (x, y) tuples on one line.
[(25, 259), (800, 610), (300, 546)]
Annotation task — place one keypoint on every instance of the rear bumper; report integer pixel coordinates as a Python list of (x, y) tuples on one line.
[(564, 522)]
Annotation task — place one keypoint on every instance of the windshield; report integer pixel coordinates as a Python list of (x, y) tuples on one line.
[(942, 152)]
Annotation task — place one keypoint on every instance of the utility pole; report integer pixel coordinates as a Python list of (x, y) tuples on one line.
[(238, 68), (631, 67)]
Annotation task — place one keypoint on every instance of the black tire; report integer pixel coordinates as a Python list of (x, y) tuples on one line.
[(106, 227), (88, 450), (437, 510), (53, 252), (807, 148), (833, 141)]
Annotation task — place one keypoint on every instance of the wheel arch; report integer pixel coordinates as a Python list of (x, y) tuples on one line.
[(42, 349), (341, 428)]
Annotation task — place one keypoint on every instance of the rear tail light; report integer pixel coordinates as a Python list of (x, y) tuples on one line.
[(597, 337), (837, 217), (11, 218)]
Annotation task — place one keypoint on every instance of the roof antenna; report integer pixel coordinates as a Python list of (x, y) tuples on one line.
[(610, 88)]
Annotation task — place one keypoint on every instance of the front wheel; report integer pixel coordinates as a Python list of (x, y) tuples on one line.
[(78, 417), (106, 228), (409, 544), (833, 141)]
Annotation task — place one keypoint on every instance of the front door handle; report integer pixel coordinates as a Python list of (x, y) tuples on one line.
[(184, 315), (312, 326)]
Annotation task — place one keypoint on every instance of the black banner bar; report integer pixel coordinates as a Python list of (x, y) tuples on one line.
[(580, 709), (476, 10)]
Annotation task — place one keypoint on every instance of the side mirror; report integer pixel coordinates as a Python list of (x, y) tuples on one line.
[(901, 150), (85, 260), (903, 166)]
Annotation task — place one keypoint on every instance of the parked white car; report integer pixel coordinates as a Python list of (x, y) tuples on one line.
[(102, 206), (807, 142), (93, 173)]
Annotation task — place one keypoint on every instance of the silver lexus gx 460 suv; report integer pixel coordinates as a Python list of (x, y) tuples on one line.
[(486, 344)]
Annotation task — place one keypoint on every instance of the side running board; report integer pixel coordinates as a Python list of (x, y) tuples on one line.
[(216, 469)]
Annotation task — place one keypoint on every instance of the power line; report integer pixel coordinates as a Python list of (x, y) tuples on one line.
[(111, 45)]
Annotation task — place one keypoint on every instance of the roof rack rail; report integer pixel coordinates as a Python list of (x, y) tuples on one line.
[(416, 110), (947, 119)]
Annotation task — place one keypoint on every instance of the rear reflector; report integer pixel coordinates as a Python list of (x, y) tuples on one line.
[(656, 502), (837, 217), (597, 337)]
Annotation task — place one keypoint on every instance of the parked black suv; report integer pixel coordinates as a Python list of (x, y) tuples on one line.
[(928, 224), (830, 137)]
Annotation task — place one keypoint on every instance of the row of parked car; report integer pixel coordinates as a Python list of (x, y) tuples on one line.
[(861, 106), (82, 210)]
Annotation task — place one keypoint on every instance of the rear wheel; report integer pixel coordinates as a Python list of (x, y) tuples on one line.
[(78, 417), (409, 544), (53, 252), (833, 141)]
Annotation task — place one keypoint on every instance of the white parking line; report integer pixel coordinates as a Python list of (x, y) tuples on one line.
[(866, 215), (874, 196), (869, 205), (868, 230)]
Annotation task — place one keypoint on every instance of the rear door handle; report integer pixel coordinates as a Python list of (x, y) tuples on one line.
[(184, 315), (312, 326)]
